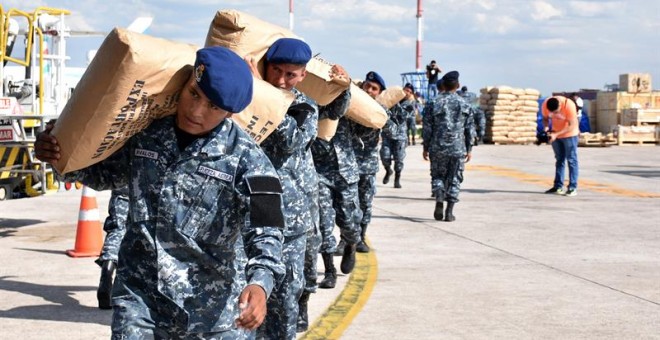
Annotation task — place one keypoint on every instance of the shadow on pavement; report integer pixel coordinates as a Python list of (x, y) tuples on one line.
[(8, 226), (63, 308), (45, 251)]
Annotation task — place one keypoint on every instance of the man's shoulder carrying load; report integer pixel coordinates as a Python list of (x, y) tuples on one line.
[(123, 90)]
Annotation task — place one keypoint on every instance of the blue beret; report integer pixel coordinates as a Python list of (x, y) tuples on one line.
[(224, 78), (289, 51), (375, 77), (452, 75)]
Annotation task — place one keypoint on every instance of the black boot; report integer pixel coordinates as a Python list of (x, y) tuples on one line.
[(330, 278), (388, 173), (413, 139), (449, 216), (104, 293), (437, 213), (340, 248), (362, 246), (397, 180), (348, 259), (303, 318)]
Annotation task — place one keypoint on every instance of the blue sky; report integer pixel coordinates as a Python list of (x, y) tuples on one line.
[(550, 45)]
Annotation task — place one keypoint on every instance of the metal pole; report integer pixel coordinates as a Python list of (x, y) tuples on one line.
[(291, 15), (420, 30)]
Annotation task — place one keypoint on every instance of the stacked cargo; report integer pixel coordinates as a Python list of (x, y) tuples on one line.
[(632, 114), (511, 114)]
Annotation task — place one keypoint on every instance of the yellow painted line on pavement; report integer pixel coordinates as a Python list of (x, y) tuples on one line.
[(543, 181), (334, 321)]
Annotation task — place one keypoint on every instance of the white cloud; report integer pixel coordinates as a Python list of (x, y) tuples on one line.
[(544, 11), (592, 8), (493, 24), (366, 10)]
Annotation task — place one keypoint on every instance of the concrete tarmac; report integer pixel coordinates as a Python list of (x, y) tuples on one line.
[(516, 264)]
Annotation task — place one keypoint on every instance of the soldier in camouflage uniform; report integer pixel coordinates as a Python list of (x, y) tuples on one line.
[(365, 145), (479, 125), (338, 193), (447, 140), (198, 186), (410, 105), (288, 149), (115, 228), (394, 140)]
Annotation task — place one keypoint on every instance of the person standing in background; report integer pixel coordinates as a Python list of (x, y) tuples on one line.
[(561, 113), (432, 73)]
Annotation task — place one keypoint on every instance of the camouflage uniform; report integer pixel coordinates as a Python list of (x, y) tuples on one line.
[(479, 126), (394, 142), (365, 145), (179, 275), (448, 125), (409, 106), (288, 149), (337, 169), (114, 226)]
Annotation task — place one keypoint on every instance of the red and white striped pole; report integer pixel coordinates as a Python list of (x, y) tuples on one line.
[(420, 30)]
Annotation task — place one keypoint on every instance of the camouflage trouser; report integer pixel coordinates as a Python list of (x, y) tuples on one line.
[(132, 320), (312, 247), (339, 203), (280, 322), (393, 149), (366, 192), (114, 226), (446, 177)]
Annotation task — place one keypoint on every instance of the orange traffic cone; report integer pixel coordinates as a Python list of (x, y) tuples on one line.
[(89, 235)]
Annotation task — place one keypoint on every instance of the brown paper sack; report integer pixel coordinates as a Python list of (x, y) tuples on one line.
[(248, 35), (327, 128), (132, 80), (364, 110), (391, 96), (265, 112), (318, 85)]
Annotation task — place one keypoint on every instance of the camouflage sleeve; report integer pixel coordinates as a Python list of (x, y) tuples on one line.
[(117, 211), (264, 221), (110, 173), (473, 130), (337, 108), (298, 129), (427, 129), (469, 127)]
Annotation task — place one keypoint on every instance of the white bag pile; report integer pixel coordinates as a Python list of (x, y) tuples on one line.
[(510, 114)]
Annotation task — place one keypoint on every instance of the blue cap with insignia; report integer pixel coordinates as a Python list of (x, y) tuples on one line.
[(375, 77), (289, 51), (224, 78)]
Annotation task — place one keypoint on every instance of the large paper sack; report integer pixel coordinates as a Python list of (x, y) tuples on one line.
[(391, 96), (327, 128), (265, 112), (248, 35), (364, 110), (132, 80)]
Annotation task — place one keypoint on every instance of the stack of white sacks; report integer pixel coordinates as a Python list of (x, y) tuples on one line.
[(511, 114)]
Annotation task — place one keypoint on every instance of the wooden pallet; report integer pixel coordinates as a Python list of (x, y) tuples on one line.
[(637, 135)]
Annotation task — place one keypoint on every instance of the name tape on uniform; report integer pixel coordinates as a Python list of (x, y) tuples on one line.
[(215, 173), (146, 153)]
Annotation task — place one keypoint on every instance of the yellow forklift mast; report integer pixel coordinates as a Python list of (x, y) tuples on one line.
[(28, 102)]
